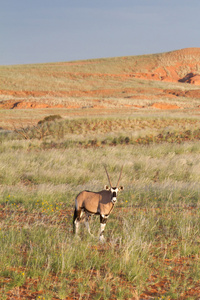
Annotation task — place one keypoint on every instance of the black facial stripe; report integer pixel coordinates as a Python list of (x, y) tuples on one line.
[(114, 194)]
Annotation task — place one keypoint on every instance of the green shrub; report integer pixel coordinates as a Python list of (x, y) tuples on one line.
[(50, 119)]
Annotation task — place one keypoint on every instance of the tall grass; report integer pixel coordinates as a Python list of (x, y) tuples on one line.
[(152, 236)]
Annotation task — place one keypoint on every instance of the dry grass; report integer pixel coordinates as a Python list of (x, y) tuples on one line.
[(98, 84), (152, 237), (95, 87)]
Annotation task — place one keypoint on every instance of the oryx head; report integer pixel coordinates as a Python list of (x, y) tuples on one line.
[(112, 189)]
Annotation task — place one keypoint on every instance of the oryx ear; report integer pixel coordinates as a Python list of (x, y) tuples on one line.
[(121, 188), (107, 188)]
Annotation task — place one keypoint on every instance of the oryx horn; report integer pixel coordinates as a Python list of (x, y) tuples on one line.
[(108, 176), (120, 175)]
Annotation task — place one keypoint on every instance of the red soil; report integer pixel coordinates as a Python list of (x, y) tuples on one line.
[(13, 104), (194, 79), (165, 106), (175, 66)]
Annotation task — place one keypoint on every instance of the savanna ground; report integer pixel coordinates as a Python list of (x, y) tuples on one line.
[(153, 234), (152, 237)]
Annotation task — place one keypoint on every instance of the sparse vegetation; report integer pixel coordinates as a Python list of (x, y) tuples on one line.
[(133, 131), (120, 86), (86, 114), (50, 118), (152, 241)]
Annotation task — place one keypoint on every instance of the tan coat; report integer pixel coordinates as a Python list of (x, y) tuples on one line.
[(95, 202)]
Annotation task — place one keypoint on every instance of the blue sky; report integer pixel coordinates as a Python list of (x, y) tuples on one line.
[(40, 31)]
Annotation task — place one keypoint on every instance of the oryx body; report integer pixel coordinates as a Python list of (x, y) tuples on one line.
[(99, 203)]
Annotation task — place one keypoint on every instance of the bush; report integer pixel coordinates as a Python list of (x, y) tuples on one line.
[(50, 119)]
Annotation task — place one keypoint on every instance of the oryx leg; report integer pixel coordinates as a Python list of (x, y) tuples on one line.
[(87, 220), (76, 220), (103, 220)]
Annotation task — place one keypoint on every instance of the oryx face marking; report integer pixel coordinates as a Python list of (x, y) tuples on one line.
[(99, 203), (114, 192)]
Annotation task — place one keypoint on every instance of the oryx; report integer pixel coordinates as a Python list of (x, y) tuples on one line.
[(99, 203)]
